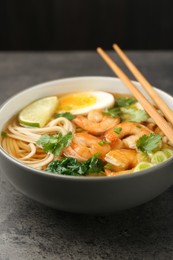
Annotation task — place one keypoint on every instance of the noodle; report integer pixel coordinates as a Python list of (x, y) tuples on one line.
[(20, 142)]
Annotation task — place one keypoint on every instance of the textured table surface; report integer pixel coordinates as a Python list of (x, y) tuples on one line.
[(30, 231)]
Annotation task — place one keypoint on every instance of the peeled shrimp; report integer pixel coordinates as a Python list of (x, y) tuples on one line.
[(132, 131), (96, 123), (121, 159), (84, 146)]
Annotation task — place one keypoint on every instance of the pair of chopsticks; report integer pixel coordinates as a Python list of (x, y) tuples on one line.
[(150, 109)]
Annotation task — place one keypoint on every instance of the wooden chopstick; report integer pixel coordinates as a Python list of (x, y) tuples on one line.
[(145, 84), (150, 109)]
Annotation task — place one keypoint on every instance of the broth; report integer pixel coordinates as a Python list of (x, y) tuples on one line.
[(106, 140)]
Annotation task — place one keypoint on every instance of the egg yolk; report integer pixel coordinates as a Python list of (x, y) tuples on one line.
[(76, 101)]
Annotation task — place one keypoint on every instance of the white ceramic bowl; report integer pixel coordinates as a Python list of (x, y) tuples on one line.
[(82, 194)]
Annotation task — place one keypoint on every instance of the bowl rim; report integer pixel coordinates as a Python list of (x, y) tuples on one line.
[(46, 174)]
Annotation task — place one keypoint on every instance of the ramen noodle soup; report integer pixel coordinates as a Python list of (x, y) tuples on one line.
[(86, 134)]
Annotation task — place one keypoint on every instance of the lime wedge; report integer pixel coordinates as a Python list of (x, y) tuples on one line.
[(168, 152), (38, 113), (142, 166), (158, 157)]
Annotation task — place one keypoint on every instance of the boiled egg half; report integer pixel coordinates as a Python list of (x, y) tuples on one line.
[(83, 102)]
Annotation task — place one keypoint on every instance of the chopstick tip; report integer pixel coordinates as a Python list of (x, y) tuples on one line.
[(98, 49), (115, 46)]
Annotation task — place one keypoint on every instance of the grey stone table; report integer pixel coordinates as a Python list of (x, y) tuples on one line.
[(30, 231)]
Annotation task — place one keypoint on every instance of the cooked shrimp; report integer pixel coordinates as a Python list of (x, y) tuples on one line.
[(154, 128), (84, 146), (96, 123), (157, 130), (132, 131), (121, 159), (151, 126)]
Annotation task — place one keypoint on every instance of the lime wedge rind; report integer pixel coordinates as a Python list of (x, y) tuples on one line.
[(29, 124)]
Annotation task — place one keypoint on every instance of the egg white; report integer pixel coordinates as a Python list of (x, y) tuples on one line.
[(103, 100)]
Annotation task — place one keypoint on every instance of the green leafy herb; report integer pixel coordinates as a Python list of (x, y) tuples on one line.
[(114, 112), (67, 166), (102, 142), (70, 166), (118, 130), (134, 115), (94, 164), (4, 133), (148, 143), (67, 115), (55, 143), (125, 101)]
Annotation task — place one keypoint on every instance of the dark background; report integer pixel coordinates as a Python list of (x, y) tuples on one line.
[(85, 24)]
